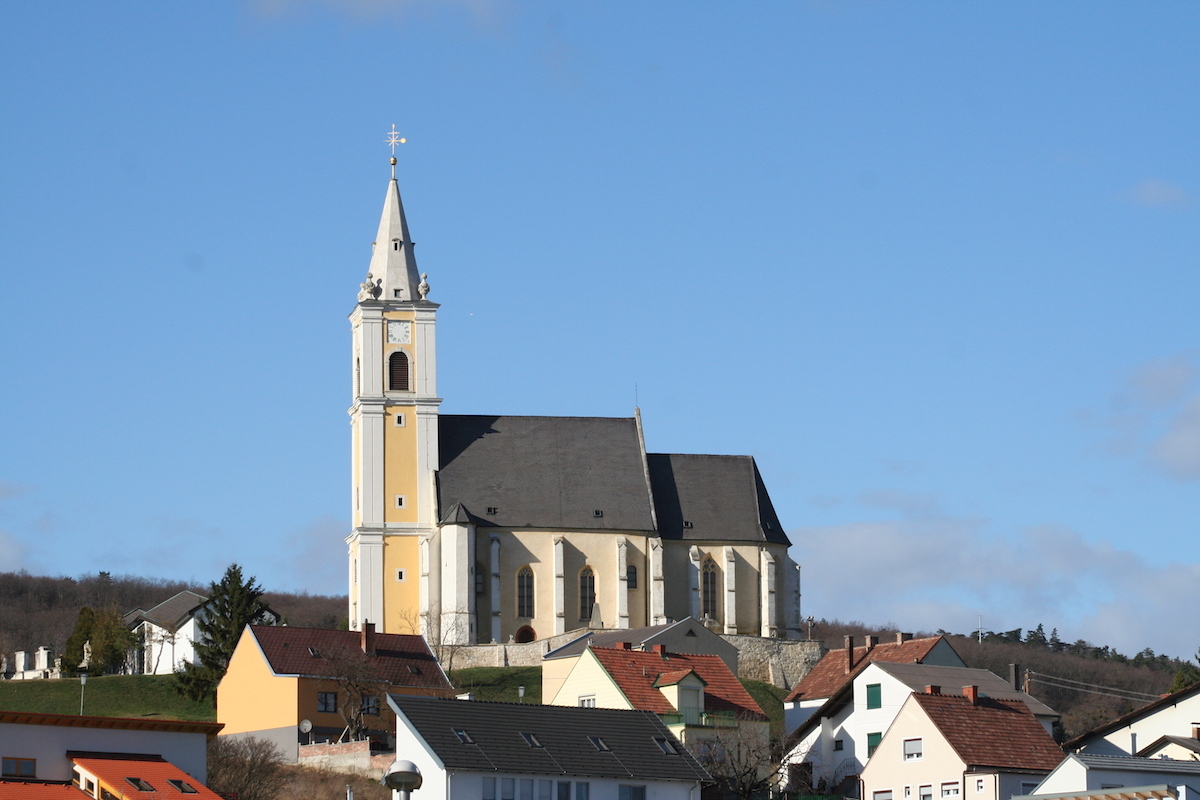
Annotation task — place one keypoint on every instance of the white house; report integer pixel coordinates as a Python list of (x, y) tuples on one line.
[(834, 743), (511, 751), (1175, 714), (1125, 777), (167, 634)]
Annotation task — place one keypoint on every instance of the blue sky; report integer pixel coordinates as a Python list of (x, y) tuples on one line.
[(935, 265)]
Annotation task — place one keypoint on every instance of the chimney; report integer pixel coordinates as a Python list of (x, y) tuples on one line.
[(871, 642), (849, 653), (661, 649), (1014, 676), (626, 645), (972, 694), (368, 638), (1195, 731), (901, 638), (933, 689)]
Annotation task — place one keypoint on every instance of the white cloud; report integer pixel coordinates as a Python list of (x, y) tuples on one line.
[(319, 556), (1154, 192), (1178, 450), (943, 573)]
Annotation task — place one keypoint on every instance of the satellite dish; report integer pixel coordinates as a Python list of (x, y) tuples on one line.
[(305, 725)]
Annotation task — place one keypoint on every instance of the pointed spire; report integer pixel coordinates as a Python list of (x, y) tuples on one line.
[(393, 263)]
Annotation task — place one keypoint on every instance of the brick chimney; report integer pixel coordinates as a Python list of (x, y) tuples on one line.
[(871, 642), (849, 653), (626, 645), (901, 638), (933, 689), (972, 694), (368, 638), (1014, 676), (661, 649)]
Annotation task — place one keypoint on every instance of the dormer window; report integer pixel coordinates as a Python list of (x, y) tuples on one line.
[(398, 371)]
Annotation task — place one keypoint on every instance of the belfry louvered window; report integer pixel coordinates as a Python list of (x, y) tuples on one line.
[(398, 371)]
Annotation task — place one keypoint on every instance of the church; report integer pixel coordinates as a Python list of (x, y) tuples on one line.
[(474, 528)]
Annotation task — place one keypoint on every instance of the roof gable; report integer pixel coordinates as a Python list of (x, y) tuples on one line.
[(706, 497), (496, 743), (835, 669), (991, 733), (399, 659), (1186, 693), (638, 675)]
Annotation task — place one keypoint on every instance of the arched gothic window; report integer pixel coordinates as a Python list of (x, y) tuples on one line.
[(398, 371), (587, 593), (708, 588), (631, 577), (525, 592)]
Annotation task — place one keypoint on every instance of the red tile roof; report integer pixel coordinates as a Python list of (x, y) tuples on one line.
[(637, 672), (20, 790), (401, 660), (156, 772), (992, 733), (830, 673), (117, 723)]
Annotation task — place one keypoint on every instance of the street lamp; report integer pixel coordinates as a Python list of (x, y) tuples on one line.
[(82, 683), (520, 694), (403, 777)]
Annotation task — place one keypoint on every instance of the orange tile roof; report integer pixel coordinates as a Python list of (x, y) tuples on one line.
[(830, 673), (992, 733), (156, 772), (637, 673), (21, 790)]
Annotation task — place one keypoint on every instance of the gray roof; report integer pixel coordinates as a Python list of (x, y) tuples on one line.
[(563, 731), (611, 638), (591, 473), (170, 613), (1186, 742), (1161, 766), (723, 497), (952, 679)]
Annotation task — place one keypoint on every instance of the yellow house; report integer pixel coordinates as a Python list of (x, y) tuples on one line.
[(279, 677), (697, 696)]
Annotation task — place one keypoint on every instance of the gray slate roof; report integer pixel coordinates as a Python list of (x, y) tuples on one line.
[(557, 472), (952, 679), (496, 730), (170, 613), (1161, 766), (598, 638)]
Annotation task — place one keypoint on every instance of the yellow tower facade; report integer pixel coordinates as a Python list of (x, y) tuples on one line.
[(394, 431)]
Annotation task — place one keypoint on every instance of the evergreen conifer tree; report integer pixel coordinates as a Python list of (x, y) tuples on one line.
[(232, 604)]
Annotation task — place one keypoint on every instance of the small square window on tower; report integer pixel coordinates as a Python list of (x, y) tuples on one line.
[(400, 423), (399, 501), (400, 576)]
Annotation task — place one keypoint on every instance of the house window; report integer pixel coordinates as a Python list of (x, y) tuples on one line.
[(599, 744), (913, 750), (874, 696), (398, 371), (525, 592), (631, 578), (526, 788), (839, 744), (587, 701), (886, 794), (20, 768), (708, 589), (908, 791), (873, 740), (564, 790), (327, 702), (463, 736), (183, 786), (530, 739), (666, 746), (140, 784), (925, 793), (631, 793), (587, 593), (950, 790), (979, 784), (489, 789), (545, 790), (508, 789), (370, 705), (582, 790)]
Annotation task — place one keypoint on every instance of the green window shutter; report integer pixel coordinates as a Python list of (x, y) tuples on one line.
[(873, 740), (874, 696)]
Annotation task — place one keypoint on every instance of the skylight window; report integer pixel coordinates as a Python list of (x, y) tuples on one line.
[(463, 736), (599, 744), (314, 652), (531, 739), (666, 746), (140, 785), (182, 786)]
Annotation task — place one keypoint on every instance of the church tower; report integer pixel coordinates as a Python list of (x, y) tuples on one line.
[(394, 431)]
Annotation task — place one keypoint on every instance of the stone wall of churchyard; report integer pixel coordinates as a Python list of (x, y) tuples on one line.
[(781, 662)]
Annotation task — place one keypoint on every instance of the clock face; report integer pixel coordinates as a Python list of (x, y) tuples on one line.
[(398, 332)]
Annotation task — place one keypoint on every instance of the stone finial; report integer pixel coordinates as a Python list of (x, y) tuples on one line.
[(370, 289), (423, 288)]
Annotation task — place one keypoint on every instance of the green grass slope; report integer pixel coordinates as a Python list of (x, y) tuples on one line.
[(499, 683), (134, 696)]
